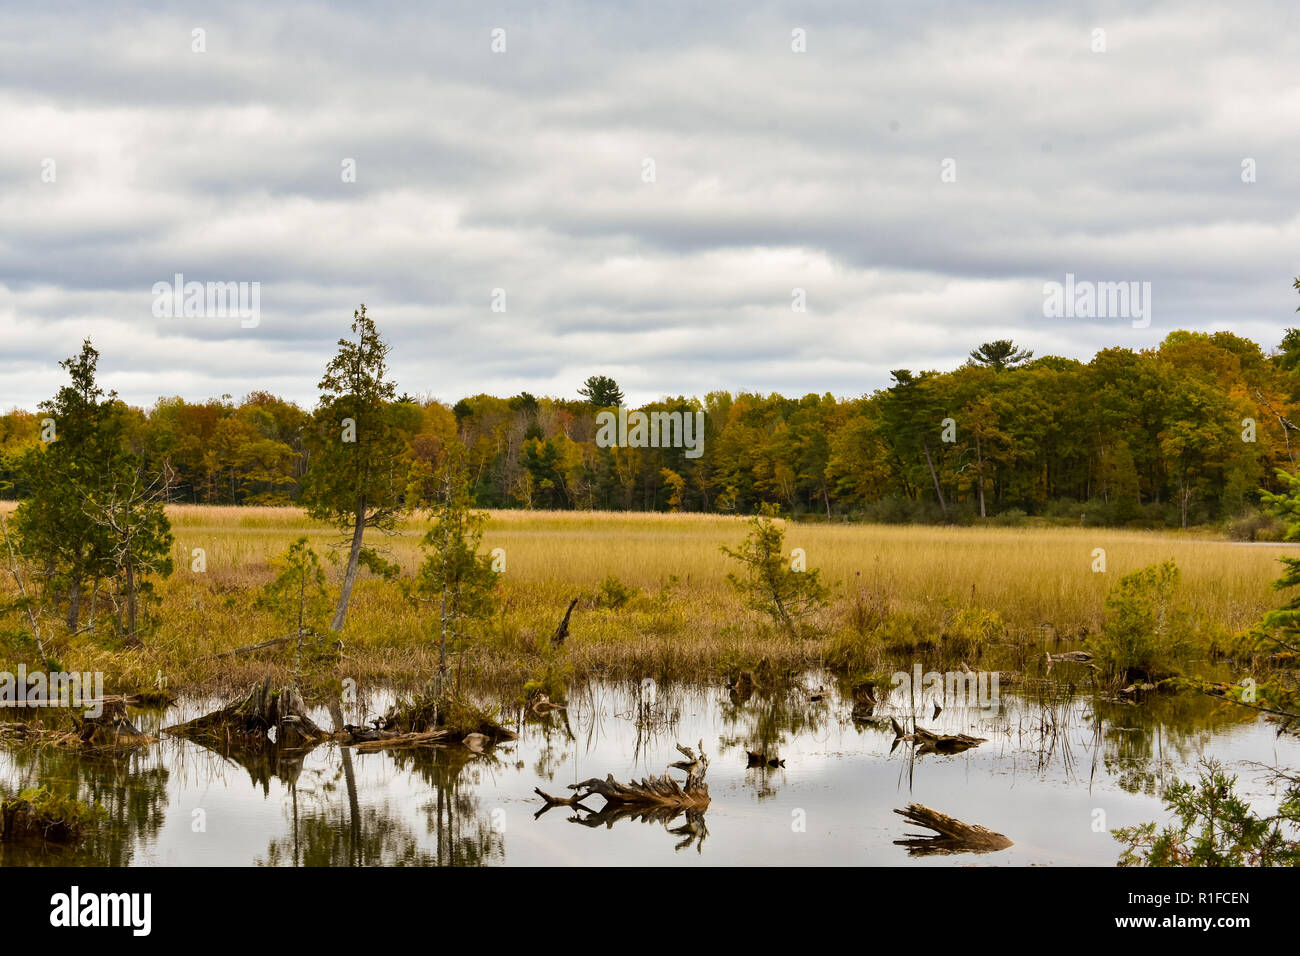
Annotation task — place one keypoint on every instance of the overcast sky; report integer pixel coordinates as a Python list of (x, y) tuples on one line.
[(525, 170)]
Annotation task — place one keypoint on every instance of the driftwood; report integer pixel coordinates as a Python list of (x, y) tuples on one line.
[(370, 741), (928, 742), (562, 631), (661, 791), (543, 705), (653, 800), (951, 835), (249, 722), (1069, 657)]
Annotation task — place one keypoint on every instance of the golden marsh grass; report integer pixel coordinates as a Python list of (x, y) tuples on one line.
[(1039, 580)]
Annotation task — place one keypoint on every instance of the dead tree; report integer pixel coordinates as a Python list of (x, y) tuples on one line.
[(661, 791), (928, 742), (950, 834), (562, 631)]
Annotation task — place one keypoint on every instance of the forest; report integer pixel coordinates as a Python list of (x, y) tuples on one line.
[(1183, 434)]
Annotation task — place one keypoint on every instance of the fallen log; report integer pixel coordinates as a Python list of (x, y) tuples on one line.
[(385, 740), (950, 834), (931, 743), (661, 791), (1069, 657)]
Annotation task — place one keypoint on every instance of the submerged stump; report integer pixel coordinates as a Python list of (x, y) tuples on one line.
[(262, 719)]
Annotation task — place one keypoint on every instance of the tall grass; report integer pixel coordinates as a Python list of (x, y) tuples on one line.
[(683, 618)]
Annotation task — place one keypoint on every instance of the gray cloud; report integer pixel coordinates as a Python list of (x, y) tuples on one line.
[(522, 171)]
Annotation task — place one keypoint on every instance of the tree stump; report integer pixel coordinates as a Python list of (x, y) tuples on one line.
[(249, 722)]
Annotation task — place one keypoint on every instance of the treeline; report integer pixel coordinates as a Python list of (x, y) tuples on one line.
[(1185, 433)]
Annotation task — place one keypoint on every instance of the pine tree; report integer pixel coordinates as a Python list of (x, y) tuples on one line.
[(454, 577), (357, 452), (82, 451), (769, 583)]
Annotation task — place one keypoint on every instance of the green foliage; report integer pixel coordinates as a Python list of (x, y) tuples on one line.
[(40, 813), (1000, 354), (1279, 632), (358, 446), (454, 578), (298, 596), (613, 593), (1212, 826), (602, 391), (91, 516), (1145, 629), (768, 581)]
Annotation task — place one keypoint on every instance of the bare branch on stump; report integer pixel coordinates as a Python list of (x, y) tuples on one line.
[(953, 836)]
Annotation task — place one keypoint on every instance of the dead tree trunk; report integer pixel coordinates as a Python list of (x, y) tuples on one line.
[(661, 791), (953, 836), (562, 631)]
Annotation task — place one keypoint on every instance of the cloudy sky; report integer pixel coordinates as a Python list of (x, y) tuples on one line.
[(129, 157)]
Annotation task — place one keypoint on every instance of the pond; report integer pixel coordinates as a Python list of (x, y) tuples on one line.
[(1057, 770)]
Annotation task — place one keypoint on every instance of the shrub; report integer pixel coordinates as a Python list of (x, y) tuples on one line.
[(769, 583), (1011, 518), (1145, 630), (1214, 827), (613, 593), (40, 814), (1255, 526), (966, 634)]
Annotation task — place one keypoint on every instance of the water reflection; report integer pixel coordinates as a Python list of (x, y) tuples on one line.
[(1051, 752)]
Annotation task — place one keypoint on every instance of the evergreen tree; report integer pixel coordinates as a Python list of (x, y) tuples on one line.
[(357, 451), (454, 578), (602, 391), (82, 450)]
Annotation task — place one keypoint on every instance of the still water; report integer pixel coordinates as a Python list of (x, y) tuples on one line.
[(1058, 770)]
